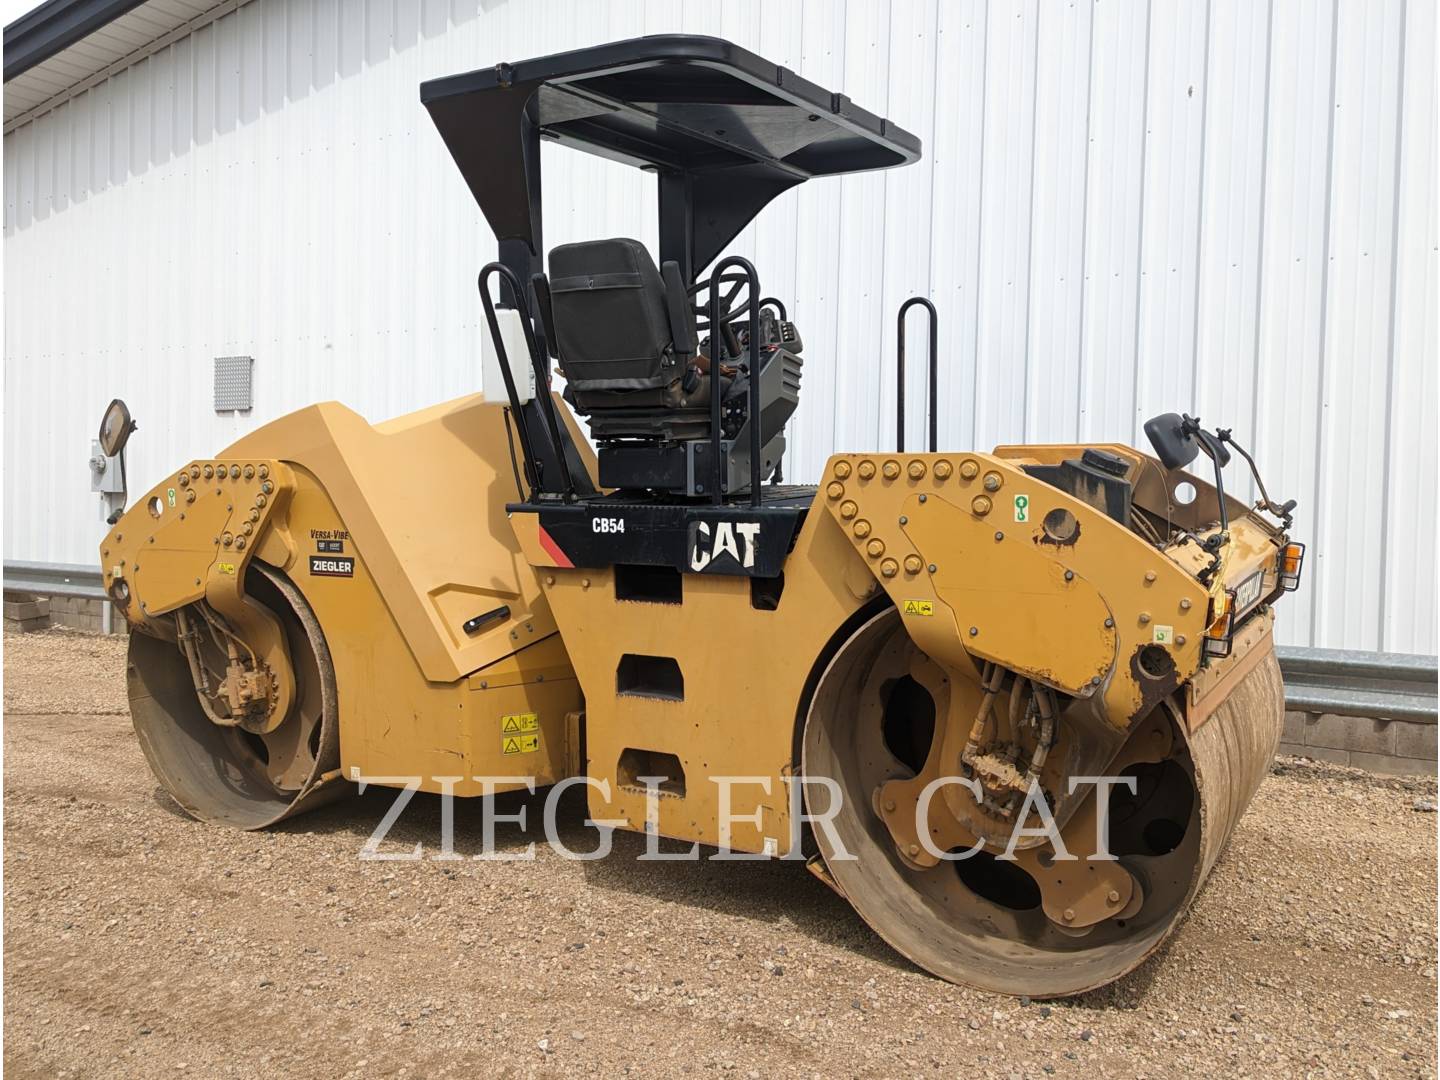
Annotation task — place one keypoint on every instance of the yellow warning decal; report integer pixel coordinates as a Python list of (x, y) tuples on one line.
[(918, 607), (226, 568), (518, 723), (519, 744)]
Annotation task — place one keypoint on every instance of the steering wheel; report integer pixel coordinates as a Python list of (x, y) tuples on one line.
[(702, 311), (736, 281)]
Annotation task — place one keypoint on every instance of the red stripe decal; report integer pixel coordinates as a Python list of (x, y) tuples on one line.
[(553, 549)]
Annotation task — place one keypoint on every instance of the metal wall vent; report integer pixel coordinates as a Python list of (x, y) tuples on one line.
[(232, 383)]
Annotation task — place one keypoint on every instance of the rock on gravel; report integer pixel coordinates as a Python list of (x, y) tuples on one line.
[(140, 943)]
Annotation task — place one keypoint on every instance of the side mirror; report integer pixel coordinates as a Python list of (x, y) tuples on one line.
[(115, 428), (1174, 445)]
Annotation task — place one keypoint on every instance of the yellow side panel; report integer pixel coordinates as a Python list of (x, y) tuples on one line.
[(393, 721), (744, 672), (422, 500)]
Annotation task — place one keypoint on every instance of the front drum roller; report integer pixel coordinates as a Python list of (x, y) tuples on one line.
[(980, 921), (227, 774)]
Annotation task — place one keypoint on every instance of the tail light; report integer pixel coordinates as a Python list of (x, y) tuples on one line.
[(1221, 631), (1292, 557)]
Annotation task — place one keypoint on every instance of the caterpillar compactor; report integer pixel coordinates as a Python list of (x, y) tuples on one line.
[(933, 654)]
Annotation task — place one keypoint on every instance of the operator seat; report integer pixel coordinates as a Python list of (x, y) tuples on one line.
[(625, 338)]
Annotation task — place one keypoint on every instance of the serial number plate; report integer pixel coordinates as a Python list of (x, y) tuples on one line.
[(1248, 593)]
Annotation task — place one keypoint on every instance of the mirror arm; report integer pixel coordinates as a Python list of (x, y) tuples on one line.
[(1216, 452), (1284, 512)]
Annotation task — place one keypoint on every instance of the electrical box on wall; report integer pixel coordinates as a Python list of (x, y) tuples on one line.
[(492, 382), (233, 383)]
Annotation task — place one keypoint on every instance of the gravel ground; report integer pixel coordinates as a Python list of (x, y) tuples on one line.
[(138, 942)]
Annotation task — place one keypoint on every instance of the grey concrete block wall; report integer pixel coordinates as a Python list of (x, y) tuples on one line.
[(1402, 747), (26, 611), (77, 612)]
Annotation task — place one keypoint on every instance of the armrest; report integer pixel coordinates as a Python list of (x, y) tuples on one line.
[(677, 306)]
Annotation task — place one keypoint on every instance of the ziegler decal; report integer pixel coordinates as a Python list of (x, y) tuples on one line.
[(331, 566), (733, 540)]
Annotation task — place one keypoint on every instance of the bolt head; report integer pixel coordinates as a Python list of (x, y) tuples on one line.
[(842, 470), (974, 631), (1112, 896), (1068, 915), (1069, 575)]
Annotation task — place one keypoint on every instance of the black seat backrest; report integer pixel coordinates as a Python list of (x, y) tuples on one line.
[(612, 320)]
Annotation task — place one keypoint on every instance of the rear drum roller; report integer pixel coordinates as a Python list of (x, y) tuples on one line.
[(979, 921), (227, 774)]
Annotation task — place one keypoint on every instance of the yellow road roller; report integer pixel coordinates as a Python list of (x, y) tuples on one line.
[(1009, 704)]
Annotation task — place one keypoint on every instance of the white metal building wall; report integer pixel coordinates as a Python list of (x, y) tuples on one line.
[(1125, 207)]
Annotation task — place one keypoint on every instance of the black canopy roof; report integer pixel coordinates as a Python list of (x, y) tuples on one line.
[(725, 130)]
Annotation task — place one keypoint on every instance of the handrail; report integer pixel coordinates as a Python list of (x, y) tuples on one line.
[(716, 413), (534, 465), (900, 373)]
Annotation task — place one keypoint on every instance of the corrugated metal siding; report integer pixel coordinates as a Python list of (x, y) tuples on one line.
[(1124, 208)]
